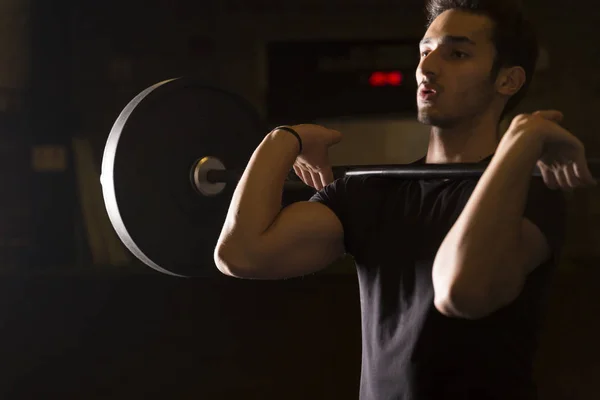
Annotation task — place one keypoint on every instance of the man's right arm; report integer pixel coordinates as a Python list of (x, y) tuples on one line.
[(259, 240)]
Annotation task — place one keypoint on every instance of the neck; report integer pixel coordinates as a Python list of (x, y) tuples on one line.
[(468, 142)]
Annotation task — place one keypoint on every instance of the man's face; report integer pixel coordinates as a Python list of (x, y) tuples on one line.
[(457, 56)]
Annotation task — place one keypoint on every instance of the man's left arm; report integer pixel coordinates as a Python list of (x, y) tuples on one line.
[(485, 258)]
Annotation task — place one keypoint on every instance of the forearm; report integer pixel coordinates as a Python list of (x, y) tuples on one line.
[(257, 198), (473, 255)]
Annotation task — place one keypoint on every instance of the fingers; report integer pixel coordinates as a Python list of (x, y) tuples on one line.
[(561, 177), (315, 179), (576, 171), (581, 170), (326, 176), (567, 176), (336, 137), (548, 176), (304, 175), (553, 115), (572, 180), (565, 181), (298, 172)]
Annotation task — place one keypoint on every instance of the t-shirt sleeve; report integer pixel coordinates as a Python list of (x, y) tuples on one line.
[(546, 208), (340, 196)]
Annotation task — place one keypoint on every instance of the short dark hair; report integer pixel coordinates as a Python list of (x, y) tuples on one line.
[(513, 36)]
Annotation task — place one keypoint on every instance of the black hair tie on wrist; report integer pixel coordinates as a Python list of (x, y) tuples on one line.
[(293, 132)]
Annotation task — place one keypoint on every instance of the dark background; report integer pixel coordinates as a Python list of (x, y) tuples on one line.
[(80, 319)]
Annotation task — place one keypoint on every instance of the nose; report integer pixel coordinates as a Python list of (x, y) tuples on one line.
[(429, 66)]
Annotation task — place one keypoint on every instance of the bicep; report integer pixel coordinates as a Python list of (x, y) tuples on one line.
[(534, 248), (304, 238)]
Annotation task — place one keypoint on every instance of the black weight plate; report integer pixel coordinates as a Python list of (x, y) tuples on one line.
[(146, 167)]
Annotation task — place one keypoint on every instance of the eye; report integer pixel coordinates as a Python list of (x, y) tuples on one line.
[(459, 54), (424, 53)]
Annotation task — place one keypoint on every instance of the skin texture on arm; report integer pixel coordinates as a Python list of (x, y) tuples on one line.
[(484, 260), (304, 238), (261, 241)]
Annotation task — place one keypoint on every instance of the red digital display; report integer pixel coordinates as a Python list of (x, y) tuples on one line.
[(390, 78)]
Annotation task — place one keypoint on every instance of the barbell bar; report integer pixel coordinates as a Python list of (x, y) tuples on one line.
[(217, 177), (171, 163)]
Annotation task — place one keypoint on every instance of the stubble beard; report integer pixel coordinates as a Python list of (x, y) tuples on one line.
[(436, 120)]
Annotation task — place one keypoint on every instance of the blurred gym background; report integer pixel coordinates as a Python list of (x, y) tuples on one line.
[(81, 319)]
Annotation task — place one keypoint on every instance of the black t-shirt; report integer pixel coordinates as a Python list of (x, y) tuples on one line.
[(393, 228)]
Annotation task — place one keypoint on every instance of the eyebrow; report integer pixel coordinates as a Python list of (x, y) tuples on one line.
[(449, 39)]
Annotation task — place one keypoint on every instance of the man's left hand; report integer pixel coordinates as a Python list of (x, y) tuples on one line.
[(562, 161)]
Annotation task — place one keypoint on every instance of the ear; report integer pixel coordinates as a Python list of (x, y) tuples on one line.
[(510, 80)]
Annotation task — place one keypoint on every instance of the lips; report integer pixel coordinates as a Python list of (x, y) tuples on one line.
[(428, 92)]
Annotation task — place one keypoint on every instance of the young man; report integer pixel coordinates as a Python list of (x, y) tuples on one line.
[(452, 273)]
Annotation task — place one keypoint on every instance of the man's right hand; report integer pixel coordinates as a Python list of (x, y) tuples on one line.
[(313, 166)]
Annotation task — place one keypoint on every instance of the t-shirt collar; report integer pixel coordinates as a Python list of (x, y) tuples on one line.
[(483, 161)]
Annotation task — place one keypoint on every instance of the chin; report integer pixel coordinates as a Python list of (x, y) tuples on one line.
[(433, 119)]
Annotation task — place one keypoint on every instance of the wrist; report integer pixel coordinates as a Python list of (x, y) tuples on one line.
[(285, 139), (525, 140), (292, 132)]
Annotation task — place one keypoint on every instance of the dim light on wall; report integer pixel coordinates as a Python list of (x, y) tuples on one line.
[(390, 78)]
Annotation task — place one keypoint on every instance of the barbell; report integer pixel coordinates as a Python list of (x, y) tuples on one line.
[(171, 163)]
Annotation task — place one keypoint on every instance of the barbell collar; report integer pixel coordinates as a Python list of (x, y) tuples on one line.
[(213, 185)]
